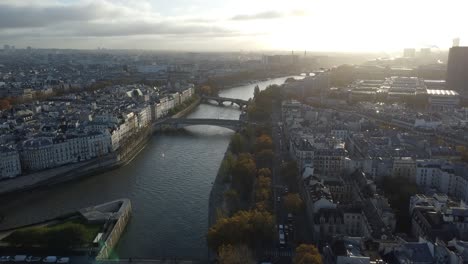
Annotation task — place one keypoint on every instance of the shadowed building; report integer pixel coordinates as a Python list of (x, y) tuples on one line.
[(457, 69)]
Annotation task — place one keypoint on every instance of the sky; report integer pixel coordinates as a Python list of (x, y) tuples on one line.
[(234, 25)]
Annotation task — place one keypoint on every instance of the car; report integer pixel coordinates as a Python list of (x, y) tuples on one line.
[(50, 259), (286, 190), (19, 258), (278, 199), (63, 260), (33, 259), (280, 227), (5, 258)]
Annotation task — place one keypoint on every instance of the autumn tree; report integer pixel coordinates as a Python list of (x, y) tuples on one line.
[(263, 189), (4, 104), (232, 200), (239, 254), (263, 142), (206, 90), (266, 172), (307, 254), (243, 174), (245, 227), (292, 202)]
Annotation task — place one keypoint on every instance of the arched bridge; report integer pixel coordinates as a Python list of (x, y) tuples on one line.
[(220, 100), (177, 123)]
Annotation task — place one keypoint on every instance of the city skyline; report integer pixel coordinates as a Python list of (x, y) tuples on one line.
[(341, 26)]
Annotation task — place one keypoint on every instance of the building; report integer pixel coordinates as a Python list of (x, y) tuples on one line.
[(409, 53), (404, 167), (457, 69), (50, 152), (443, 100), (347, 250), (443, 176), (10, 165)]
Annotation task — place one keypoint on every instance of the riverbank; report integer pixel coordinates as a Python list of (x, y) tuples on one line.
[(216, 199), (246, 78), (88, 168)]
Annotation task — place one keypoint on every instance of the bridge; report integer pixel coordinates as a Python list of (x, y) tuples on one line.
[(176, 123), (220, 100)]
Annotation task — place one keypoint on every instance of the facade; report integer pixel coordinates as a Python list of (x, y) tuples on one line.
[(329, 162), (404, 167), (457, 69), (10, 165), (441, 100), (49, 152), (443, 176)]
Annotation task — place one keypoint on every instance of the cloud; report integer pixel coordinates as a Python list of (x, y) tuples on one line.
[(12, 16), (262, 15), (103, 29), (270, 15), (97, 19)]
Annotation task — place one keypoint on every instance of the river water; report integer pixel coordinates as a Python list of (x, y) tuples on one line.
[(168, 184)]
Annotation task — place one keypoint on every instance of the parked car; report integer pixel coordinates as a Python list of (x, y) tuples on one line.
[(19, 258), (33, 259), (5, 258), (278, 199), (63, 260), (50, 259)]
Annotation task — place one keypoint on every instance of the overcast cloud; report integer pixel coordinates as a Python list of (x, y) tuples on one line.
[(197, 24)]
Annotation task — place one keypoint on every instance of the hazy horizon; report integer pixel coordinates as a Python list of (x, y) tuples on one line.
[(254, 26)]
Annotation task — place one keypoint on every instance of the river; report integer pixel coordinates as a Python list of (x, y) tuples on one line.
[(168, 184)]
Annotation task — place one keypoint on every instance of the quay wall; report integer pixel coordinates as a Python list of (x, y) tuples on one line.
[(128, 151)]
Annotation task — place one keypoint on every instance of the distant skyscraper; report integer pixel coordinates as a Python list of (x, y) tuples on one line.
[(457, 69), (456, 42), (409, 53), (425, 52), (6, 47)]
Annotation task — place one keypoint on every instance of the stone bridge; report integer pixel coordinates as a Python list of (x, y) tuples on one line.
[(176, 123), (220, 100)]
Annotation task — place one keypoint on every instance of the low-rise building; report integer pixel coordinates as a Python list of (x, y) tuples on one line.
[(10, 165)]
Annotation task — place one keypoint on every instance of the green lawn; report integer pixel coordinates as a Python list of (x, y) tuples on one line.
[(68, 234)]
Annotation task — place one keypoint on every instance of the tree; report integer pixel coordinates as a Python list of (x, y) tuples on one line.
[(266, 172), (4, 104), (251, 228), (240, 254), (307, 254), (206, 90), (232, 201), (243, 174), (237, 143), (292, 202), (263, 190), (264, 158), (263, 142), (256, 91)]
